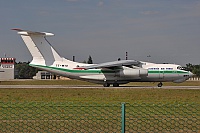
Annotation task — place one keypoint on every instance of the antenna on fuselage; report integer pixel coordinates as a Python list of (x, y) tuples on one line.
[(73, 58)]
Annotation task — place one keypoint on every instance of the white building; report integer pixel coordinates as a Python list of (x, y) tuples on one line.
[(7, 68), (43, 75), (47, 75)]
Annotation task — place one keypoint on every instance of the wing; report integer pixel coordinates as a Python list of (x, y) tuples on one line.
[(113, 64)]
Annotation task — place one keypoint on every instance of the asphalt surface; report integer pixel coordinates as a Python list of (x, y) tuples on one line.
[(97, 86)]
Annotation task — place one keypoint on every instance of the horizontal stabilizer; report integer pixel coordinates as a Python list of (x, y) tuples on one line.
[(28, 33)]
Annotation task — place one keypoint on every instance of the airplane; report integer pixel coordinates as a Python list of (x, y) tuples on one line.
[(113, 73)]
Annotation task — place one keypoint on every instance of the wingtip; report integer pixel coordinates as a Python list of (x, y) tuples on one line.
[(17, 29)]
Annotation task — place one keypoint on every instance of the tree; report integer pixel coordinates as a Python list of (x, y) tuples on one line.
[(189, 67), (196, 70), (90, 60), (193, 68), (24, 70)]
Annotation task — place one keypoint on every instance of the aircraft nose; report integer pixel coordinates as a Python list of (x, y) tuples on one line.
[(191, 74)]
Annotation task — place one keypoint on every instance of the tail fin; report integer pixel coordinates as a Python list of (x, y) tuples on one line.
[(41, 50)]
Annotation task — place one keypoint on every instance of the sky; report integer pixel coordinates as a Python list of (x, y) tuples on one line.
[(167, 30)]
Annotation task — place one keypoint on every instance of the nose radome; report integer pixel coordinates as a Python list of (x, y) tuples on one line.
[(191, 74)]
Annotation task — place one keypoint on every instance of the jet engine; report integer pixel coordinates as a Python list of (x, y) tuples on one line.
[(133, 72)]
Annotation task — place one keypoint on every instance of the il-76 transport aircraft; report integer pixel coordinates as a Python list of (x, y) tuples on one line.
[(116, 72)]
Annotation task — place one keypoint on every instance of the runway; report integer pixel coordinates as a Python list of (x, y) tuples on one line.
[(95, 87)]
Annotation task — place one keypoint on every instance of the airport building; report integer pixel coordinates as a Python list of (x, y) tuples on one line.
[(7, 68), (42, 75)]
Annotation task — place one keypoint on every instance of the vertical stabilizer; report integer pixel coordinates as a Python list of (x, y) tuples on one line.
[(41, 50)]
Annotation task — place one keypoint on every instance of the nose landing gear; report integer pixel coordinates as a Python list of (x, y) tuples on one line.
[(160, 84)]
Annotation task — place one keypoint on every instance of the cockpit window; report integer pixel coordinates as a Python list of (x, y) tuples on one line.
[(180, 68)]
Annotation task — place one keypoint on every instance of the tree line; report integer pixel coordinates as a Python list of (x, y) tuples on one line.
[(24, 71), (195, 69)]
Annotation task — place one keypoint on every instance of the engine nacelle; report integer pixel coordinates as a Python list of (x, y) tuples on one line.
[(130, 72)]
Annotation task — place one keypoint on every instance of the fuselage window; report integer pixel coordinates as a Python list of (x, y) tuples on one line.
[(169, 68)]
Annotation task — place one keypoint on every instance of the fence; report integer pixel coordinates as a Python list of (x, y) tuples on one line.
[(194, 79), (69, 117)]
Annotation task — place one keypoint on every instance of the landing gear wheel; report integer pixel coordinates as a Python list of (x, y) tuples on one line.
[(160, 84), (115, 85), (106, 84)]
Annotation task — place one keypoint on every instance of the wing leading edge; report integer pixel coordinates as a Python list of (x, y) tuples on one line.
[(112, 64)]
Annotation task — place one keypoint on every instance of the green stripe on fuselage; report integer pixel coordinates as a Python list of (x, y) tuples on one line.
[(73, 71), (168, 72)]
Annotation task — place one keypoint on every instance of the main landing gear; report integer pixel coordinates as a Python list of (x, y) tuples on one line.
[(160, 84), (115, 85), (107, 84)]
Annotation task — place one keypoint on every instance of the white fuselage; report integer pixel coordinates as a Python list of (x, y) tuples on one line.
[(155, 72)]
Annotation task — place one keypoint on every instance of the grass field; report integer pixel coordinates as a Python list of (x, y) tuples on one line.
[(97, 95), (98, 109), (108, 95)]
